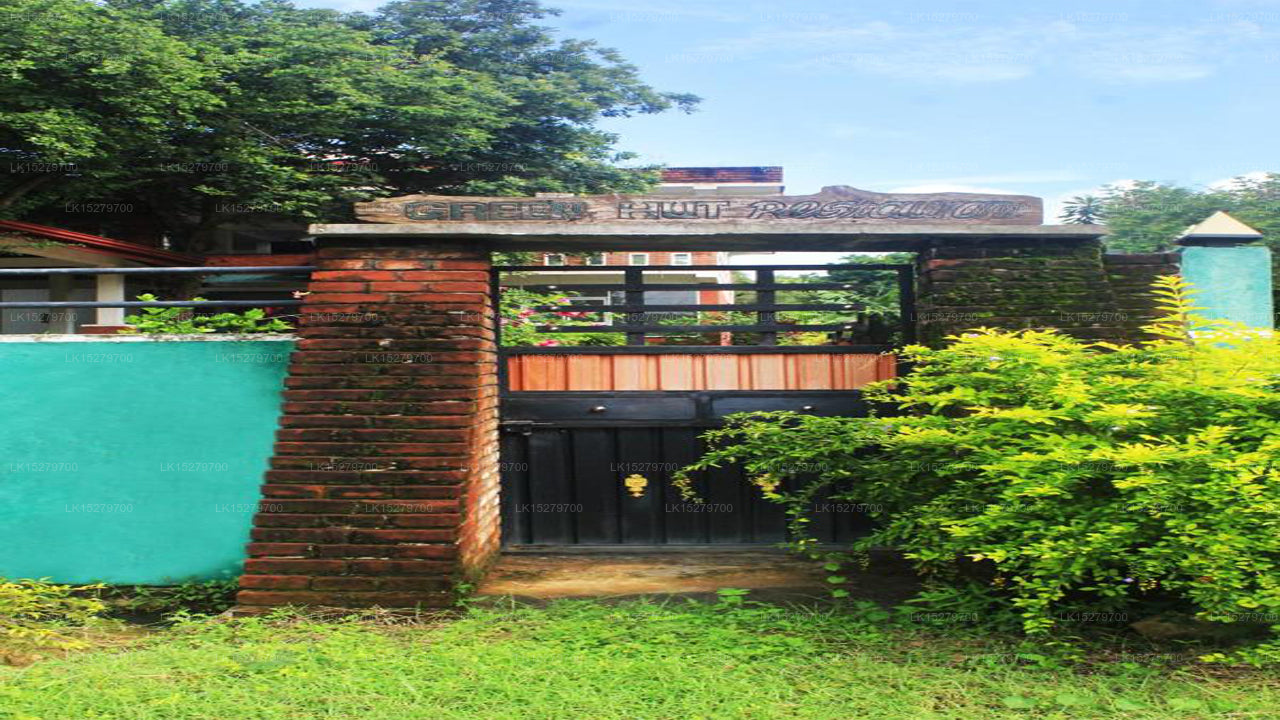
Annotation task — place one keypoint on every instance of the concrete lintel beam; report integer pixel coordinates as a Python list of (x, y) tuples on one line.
[(720, 236)]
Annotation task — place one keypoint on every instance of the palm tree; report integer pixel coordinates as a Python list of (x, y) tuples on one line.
[(1083, 210)]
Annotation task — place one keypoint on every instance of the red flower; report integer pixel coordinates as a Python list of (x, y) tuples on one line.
[(549, 343)]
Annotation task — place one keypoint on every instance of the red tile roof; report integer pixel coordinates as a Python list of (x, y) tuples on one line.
[(106, 246)]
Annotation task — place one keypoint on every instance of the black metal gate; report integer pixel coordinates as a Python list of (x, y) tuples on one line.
[(595, 467), (597, 470)]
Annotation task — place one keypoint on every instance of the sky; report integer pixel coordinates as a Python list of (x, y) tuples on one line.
[(1047, 99)]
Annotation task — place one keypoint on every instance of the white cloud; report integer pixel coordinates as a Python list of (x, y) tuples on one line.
[(1231, 182), (1000, 51), (1152, 73), (944, 187), (1031, 176), (846, 131)]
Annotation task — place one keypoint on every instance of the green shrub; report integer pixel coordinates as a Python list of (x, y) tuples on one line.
[(1031, 476), (38, 616), (194, 596), (181, 320), (520, 320)]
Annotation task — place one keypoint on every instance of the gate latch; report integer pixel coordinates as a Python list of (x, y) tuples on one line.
[(524, 427), (636, 484)]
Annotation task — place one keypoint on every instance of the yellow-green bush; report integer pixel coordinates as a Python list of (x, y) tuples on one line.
[(1079, 477), (37, 616)]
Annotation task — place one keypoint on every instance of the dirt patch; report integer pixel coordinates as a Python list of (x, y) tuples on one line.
[(770, 575)]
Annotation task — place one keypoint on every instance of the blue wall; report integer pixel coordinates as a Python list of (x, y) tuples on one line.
[(1231, 283), (133, 462)]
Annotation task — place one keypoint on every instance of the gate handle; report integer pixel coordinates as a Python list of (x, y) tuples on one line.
[(636, 484), (599, 409)]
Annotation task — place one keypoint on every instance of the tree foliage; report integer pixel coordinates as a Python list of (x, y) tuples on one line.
[(1083, 210), (202, 112), (1148, 216)]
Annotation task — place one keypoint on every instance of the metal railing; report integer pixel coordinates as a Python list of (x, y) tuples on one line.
[(229, 270), (634, 309)]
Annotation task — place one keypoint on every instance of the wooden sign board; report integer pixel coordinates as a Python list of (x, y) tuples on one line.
[(836, 205)]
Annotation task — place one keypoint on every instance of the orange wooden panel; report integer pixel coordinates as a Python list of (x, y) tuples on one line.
[(722, 372), (589, 372), (888, 367), (630, 372), (676, 372), (780, 371), (768, 372), (545, 372), (860, 369), (515, 372), (811, 372)]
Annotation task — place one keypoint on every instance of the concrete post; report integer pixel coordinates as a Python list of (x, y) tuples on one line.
[(107, 320), (1232, 283), (61, 320), (1233, 279)]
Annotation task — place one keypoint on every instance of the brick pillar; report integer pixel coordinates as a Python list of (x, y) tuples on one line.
[(384, 485), (1016, 284)]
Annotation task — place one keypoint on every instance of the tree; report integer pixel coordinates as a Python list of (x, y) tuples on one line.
[(1082, 210), (85, 88), (295, 113), (872, 296), (878, 290), (1149, 216)]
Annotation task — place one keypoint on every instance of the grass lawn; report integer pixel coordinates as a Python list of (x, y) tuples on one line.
[(584, 659)]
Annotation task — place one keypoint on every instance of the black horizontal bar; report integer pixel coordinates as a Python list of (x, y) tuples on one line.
[(784, 307), (656, 329), (700, 350), (797, 287), (152, 303), (227, 270), (616, 268)]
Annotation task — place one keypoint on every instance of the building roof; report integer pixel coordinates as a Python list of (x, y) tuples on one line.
[(106, 247), (758, 174), (1219, 226)]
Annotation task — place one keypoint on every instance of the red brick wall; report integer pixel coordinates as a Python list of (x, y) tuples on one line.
[(383, 487), (1013, 284)]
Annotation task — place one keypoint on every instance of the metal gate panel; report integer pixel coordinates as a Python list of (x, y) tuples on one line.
[(585, 463), (566, 458)]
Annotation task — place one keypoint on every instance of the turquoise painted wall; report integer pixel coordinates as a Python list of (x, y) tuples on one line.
[(1232, 283), (133, 462)]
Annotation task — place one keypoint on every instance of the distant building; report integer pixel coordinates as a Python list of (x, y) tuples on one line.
[(684, 182), (27, 245), (274, 243)]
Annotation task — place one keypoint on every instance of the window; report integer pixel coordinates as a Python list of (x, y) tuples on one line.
[(638, 259), (553, 259), (681, 258), (672, 297), (596, 259), (596, 318)]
